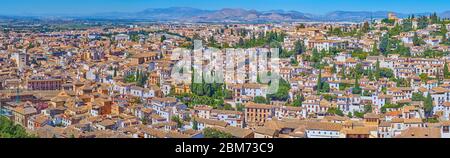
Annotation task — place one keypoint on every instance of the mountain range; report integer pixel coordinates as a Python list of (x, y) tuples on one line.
[(187, 14)]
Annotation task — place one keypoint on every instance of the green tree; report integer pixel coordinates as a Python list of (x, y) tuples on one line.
[(402, 82), (424, 77), (377, 70), (417, 96), (446, 72), (402, 50), (395, 30), (358, 114), (358, 53), (335, 111), (299, 47), (388, 21), (350, 115), (367, 108), (282, 93), (227, 107), (343, 73), (212, 42), (177, 120), (407, 25), (240, 107), (163, 38), (365, 28), (141, 78), (260, 100), (356, 89), (294, 61), (336, 31), (422, 22), (375, 50), (325, 87), (214, 133), (195, 125), (241, 42), (384, 45), (443, 31), (319, 81), (370, 74), (429, 53), (10, 130), (144, 121), (428, 105), (334, 69), (301, 26), (417, 41), (434, 18), (130, 78), (298, 101), (316, 56), (386, 72)]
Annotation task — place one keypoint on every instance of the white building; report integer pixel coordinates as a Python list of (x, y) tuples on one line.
[(323, 130)]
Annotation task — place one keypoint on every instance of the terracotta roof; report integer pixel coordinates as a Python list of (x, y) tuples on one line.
[(335, 118), (258, 106), (371, 116), (323, 126), (397, 120), (236, 131), (266, 131), (358, 130), (384, 124), (285, 123), (394, 113), (439, 90), (420, 132), (413, 120), (445, 123)]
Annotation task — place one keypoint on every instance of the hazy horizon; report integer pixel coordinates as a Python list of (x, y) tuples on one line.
[(86, 7)]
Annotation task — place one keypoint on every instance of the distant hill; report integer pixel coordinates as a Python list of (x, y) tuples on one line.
[(171, 13), (362, 15), (199, 15), (445, 14), (243, 15)]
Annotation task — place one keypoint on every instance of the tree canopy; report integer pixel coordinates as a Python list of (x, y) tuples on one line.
[(214, 133), (9, 130)]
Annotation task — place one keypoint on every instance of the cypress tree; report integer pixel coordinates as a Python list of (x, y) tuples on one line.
[(319, 81), (428, 105), (446, 73)]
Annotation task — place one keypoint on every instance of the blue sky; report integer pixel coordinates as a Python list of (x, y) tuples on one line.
[(24, 7)]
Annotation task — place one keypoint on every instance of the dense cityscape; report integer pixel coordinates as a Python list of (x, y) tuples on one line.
[(378, 78)]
